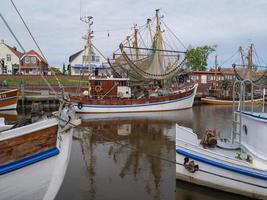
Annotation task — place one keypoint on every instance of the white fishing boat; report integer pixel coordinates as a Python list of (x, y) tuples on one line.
[(34, 157), (180, 99), (237, 165), (143, 78)]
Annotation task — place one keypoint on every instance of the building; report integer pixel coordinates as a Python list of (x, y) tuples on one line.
[(9, 59), (78, 64), (32, 63)]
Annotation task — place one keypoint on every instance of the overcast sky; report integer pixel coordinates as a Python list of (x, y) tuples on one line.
[(57, 28)]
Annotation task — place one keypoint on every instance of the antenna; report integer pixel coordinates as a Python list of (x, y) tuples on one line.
[(88, 20)]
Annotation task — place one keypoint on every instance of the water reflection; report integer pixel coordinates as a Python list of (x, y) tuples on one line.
[(120, 144), (105, 163), (118, 154)]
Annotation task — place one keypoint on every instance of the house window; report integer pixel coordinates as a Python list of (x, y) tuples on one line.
[(8, 58), (4, 69), (93, 58), (27, 60), (33, 60), (97, 59)]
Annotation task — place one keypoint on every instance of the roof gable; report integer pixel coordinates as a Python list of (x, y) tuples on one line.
[(14, 51), (72, 57), (34, 53)]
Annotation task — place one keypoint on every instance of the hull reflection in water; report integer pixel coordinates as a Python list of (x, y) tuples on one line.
[(121, 157), (168, 116)]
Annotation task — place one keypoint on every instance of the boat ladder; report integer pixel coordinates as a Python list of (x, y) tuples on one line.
[(237, 124)]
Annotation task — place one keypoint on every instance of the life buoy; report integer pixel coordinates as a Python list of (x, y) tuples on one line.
[(80, 105), (98, 88)]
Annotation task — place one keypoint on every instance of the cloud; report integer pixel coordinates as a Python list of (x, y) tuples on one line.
[(56, 24)]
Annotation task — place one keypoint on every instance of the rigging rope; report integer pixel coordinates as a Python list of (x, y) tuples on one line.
[(48, 84), (174, 35), (10, 30)]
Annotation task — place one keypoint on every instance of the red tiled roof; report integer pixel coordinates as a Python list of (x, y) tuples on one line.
[(15, 51), (32, 52)]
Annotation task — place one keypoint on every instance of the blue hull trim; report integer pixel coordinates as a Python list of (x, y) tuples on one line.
[(255, 115), (28, 161), (136, 105), (242, 171)]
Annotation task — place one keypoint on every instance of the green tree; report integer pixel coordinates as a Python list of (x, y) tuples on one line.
[(64, 69), (55, 70), (69, 69), (197, 58)]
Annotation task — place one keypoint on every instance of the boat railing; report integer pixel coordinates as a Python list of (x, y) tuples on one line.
[(237, 110)]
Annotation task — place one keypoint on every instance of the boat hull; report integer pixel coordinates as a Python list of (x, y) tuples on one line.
[(221, 179), (176, 104), (218, 168), (8, 100), (35, 161), (225, 102)]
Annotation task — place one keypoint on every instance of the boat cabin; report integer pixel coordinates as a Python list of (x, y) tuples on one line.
[(110, 87)]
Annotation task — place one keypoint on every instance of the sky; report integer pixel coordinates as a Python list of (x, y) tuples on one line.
[(57, 27)]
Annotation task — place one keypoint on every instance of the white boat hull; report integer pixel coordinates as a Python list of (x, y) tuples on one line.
[(218, 168), (40, 180), (182, 103), (218, 178)]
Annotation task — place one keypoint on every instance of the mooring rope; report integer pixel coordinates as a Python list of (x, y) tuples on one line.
[(136, 149)]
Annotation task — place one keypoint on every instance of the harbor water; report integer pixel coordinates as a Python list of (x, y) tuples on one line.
[(131, 156)]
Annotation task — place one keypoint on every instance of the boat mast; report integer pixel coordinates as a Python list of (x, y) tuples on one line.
[(158, 34), (250, 56), (216, 70), (149, 29), (242, 55), (136, 42), (128, 40), (159, 42), (88, 20)]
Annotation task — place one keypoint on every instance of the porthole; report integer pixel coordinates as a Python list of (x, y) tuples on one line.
[(245, 129)]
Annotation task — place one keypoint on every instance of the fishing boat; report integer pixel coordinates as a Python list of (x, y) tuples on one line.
[(143, 76), (221, 92), (226, 101), (237, 164), (34, 156), (122, 101), (8, 99)]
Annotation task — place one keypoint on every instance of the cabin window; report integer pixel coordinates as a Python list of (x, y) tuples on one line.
[(33, 60), (97, 82), (27, 60), (8, 57)]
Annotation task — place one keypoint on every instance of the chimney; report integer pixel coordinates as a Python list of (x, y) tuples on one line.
[(2, 41), (15, 48)]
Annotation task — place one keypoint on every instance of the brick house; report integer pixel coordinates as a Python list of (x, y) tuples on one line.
[(33, 63)]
